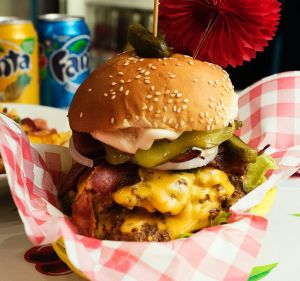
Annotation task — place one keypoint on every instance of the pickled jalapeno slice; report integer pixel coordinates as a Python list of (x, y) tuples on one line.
[(115, 156), (165, 150)]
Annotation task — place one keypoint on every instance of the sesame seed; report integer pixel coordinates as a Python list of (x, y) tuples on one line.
[(113, 93), (111, 90), (89, 90), (150, 65), (113, 83), (156, 99), (165, 108), (150, 108), (142, 71), (202, 121), (153, 67), (185, 100), (217, 82), (121, 89), (112, 120), (178, 64), (147, 73), (141, 59), (173, 95), (148, 97), (206, 114), (210, 82), (195, 80), (137, 117), (157, 93), (165, 58), (122, 81), (164, 63), (211, 105), (127, 93), (125, 123), (176, 126), (184, 107), (211, 99), (158, 111), (178, 109), (138, 77), (191, 62), (202, 115), (132, 58), (186, 56), (152, 88), (113, 97), (208, 127), (170, 101), (167, 92), (182, 123), (140, 68), (126, 64), (192, 119), (110, 76), (170, 121), (147, 78), (120, 73), (178, 95), (159, 59), (172, 76), (174, 108), (81, 114), (144, 107), (147, 81), (105, 94), (128, 81)]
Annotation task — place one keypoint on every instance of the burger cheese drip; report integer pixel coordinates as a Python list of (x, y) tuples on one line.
[(187, 200)]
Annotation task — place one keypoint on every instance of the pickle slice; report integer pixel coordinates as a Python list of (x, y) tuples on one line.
[(145, 44), (165, 150), (115, 156), (237, 146)]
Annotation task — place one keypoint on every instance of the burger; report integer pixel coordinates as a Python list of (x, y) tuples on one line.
[(156, 151)]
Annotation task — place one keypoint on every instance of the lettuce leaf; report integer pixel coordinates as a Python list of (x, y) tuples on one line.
[(256, 171)]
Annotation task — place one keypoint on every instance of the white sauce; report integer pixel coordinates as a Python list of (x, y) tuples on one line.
[(132, 139)]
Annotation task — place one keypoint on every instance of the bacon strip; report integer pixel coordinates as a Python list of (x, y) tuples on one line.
[(83, 216), (87, 146), (72, 178), (105, 178)]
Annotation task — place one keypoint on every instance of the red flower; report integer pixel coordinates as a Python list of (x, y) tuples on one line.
[(219, 31)]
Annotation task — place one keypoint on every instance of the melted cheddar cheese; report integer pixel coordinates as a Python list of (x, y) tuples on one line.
[(186, 199)]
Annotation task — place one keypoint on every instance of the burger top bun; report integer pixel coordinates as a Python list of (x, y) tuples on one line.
[(176, 93)]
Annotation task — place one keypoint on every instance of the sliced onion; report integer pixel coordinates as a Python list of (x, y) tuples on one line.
[(79, 157), (206, 156)]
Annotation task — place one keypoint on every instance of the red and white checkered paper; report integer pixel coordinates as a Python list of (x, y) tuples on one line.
[(270, 110)]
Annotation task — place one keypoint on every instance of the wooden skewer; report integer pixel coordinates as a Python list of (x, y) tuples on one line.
[(155, 17)]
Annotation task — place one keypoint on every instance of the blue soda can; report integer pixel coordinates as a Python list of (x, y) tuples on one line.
[(64, 57)]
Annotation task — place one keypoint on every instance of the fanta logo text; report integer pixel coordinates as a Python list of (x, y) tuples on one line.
[(13, 62), (66, 66)]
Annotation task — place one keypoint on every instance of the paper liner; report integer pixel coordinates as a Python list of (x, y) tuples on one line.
[(270, 111)]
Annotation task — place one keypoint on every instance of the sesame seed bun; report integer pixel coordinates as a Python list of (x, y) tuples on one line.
[(176, 93)]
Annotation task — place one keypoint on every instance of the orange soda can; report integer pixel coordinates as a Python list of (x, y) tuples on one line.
[(19, 80)]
